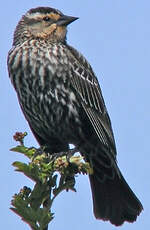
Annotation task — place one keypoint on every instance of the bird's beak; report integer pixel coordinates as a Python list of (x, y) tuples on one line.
[(65, 20)]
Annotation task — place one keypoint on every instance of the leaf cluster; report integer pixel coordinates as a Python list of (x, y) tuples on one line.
[(51, 177)]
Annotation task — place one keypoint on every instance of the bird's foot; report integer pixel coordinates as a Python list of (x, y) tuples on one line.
[(54, 156), (39, 151), (68, 154)]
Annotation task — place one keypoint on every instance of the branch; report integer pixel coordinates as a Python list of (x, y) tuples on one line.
[(34, 205)]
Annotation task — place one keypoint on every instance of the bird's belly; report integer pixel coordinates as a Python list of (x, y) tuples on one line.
[(53, 116)]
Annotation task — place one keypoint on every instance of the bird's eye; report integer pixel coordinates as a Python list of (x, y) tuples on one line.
[(46, 19)]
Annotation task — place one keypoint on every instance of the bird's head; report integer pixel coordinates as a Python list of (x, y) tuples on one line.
[(42, 23)]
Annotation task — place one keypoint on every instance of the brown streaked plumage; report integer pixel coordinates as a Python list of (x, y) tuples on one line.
[(62, 101)]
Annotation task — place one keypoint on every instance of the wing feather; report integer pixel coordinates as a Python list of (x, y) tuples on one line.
[(86, 85)]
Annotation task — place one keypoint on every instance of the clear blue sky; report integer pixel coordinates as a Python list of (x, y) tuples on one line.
[(114, 35)]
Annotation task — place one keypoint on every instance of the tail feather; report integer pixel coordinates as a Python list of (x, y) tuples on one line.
[(114, 200)]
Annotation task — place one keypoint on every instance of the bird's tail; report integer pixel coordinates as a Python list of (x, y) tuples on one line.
[(113, 200)]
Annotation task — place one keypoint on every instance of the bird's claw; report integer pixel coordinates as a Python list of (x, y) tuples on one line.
[(38, 151), (68, 154)]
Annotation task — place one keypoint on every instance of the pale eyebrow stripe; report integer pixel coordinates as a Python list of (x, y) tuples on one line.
[(39, 15)]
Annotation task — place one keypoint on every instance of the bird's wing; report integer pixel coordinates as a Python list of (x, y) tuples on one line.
[(87, 87)]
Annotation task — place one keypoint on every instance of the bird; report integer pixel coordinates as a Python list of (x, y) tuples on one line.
[(62, 101)]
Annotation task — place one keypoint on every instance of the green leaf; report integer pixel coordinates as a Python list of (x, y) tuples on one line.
[(31, 170), (39, 193), (44, 217), (29, 152)]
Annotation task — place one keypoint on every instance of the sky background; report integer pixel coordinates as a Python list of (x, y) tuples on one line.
[(114, 36)]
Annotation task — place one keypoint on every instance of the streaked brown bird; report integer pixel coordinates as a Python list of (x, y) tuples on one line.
[(62, 101)]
